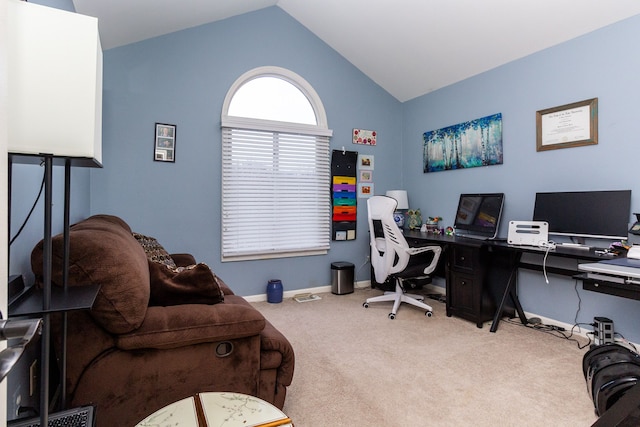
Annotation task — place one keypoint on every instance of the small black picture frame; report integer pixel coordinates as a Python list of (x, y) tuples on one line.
[(164, 143)]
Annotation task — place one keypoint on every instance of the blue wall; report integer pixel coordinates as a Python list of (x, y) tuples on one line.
[(26, 182), (600, 64), (182, 79)]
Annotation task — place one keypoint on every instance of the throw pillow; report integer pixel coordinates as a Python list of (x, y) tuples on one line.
[(154, 250), (195, 284)]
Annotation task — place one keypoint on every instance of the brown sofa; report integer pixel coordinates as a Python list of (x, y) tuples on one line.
[(162, 328)]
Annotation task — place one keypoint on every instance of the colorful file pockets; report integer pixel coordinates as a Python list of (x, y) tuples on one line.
[(344, 201), (346, 180), (344, 213), (344, 195)]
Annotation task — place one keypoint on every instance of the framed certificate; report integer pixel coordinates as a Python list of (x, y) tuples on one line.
[(571, 125)]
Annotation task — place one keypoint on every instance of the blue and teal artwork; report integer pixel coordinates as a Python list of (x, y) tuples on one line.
[(465, 145)]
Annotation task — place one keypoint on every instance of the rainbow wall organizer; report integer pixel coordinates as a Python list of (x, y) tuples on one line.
[(344, 194)]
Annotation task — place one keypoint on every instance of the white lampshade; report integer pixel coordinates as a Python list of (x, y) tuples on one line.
[(55, 82), (401, 198)]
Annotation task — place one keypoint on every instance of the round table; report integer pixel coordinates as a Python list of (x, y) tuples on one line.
[(223, 409)]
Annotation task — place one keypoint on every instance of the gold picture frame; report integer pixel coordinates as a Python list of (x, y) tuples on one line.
[(570, 125)]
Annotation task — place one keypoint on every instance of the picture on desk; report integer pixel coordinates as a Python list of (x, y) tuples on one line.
[(465, 145)]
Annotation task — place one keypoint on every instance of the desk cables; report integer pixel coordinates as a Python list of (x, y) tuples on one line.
[(549, 245)]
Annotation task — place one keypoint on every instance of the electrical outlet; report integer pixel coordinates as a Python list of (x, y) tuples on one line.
[(33, 377)]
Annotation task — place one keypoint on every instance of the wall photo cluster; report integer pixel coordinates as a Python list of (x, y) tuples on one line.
[(164, 143), (365, 172)]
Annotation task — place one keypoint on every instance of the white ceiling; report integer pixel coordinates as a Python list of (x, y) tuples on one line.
[(408, 47)]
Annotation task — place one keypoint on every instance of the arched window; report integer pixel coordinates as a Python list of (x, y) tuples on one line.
[(275, 168)]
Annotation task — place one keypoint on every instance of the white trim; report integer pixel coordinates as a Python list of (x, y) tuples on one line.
[(4, 192), (579, 330), (253, 256), (271, 71), (272, 125), (290, 294), (363, 284)]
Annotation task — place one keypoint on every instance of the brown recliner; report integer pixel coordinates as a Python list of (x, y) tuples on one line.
[(156, 335)]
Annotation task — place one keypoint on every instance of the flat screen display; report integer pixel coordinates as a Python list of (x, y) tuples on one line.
[(478, 215), (594, 214)]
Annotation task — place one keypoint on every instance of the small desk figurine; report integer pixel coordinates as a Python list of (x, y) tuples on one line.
[(415, 219), (432, 224)]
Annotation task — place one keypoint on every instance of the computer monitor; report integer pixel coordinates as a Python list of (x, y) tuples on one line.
[(478, 215), (585, 214)]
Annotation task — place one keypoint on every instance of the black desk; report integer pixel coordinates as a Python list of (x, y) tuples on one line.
[(481, 275)]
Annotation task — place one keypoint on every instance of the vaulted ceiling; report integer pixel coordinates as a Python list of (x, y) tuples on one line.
[(408, 47)]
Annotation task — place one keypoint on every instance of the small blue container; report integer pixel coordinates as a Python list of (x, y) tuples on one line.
[(274, 291)]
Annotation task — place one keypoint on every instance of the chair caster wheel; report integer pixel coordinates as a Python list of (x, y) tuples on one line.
[(392, 316), (429, 314), (365, 304)]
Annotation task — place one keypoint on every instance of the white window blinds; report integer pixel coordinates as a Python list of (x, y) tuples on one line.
[(275, 194)]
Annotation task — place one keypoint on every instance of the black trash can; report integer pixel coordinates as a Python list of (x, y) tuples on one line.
[(342, 277)]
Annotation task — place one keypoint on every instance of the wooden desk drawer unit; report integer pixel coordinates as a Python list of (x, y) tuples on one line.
[(468, 296), (464, 257), (464, 293)]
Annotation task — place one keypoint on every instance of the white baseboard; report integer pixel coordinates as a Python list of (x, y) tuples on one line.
[(583, 331), (316, 290), (579, 330), (363, 284)]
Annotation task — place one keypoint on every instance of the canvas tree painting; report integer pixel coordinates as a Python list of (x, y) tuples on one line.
[(465, 145)]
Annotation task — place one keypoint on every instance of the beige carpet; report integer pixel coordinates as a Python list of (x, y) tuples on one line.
[(355, 367)]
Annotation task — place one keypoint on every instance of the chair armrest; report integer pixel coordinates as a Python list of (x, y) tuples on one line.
[(437, 250), (183, 260), (189, 324), (273, 340)]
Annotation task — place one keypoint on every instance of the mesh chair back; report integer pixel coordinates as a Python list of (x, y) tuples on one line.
[(389, 252)]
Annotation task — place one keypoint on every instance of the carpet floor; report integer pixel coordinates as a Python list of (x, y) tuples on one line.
[(356, 367)]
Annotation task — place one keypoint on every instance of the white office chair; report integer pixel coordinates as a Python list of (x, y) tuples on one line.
[(390, 256)]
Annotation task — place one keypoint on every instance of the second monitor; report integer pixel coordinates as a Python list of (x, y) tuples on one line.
[(585, 214)]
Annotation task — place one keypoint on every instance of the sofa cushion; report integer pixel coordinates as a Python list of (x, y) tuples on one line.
[(103, 251), (183, 325), (154, 250), (194, 284)]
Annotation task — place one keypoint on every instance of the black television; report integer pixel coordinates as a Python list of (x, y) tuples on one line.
[(585, 214), (478, 215)]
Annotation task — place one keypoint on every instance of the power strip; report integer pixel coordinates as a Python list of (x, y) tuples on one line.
[(603, 330)]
